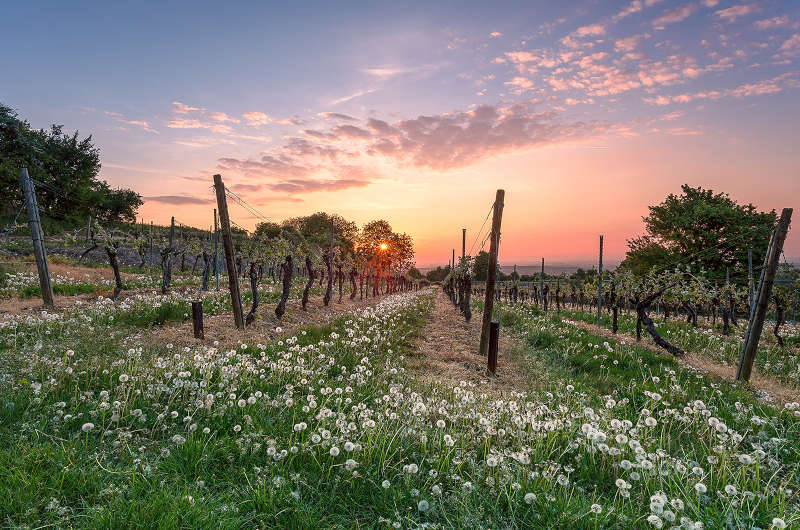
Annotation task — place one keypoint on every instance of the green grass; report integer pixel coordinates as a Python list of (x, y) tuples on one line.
[(345, 382)]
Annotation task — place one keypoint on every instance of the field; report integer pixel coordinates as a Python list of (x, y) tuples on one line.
[(113, 415)]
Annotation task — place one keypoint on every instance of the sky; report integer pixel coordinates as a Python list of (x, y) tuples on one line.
[(584, 112)]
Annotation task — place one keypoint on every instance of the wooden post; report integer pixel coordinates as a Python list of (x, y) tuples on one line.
[(600, 282), (197, 319), (230, 259), (454, 259), (750, 278), (488, 303), (151, 245), (216, 248), (37, 236), (89, 229), (329, 266), (756, 323), (541, 286), (463, 243), (494, 334)]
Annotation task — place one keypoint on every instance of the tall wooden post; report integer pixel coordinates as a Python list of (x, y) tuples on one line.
[(541, 286), (463, 243), (151, 245), (488, 302), (756, 323), (600, 282), (454, 258), (230, 259), (329, 266), (37, 236), (750, 278), (216, 248)]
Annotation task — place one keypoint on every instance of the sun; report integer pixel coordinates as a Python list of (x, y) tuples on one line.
[(384, 246)]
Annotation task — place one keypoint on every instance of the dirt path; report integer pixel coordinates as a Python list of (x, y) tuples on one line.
[(774, 389), (221, 327), (447, 353)]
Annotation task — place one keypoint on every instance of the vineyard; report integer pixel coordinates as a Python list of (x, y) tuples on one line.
[(305, 375)]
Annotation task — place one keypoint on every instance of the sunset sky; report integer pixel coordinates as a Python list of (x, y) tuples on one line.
[(584, 112)]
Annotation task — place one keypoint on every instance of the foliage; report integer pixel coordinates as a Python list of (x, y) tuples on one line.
[(66, 165), (702, 228)]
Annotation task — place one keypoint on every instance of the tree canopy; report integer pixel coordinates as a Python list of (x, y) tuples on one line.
[(701, 228), (68, 168)]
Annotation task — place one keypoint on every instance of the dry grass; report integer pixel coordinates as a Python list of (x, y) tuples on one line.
[(447, 353)]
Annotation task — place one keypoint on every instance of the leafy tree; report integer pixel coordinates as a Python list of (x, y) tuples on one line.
[(700, 228), (315, 229), (67, 167), (480, 267), (438, 274), (414, 273)]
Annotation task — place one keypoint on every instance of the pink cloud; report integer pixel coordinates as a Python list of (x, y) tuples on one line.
[(256, 119), (734, 12), (182, 108), (593, 30), (674, 15)]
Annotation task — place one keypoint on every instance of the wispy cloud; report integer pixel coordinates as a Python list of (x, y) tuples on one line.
[(675, 15), (356, 94), (142, 124), (177, 199)]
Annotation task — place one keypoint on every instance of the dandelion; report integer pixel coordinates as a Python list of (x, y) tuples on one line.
[(596, 508), (730, 489), (423, 506), (124, 378), (237, 428), (386, 484), (86, 427), (655, 521), (700, 488), (334, 452), (178, 439), (777, 522), (529, 498), (350, 464)]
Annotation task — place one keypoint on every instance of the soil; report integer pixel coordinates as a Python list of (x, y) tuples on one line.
[(447, 353)]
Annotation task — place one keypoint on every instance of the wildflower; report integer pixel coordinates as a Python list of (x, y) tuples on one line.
[(655, 521), (700, 487), (777, 522), (529, 498), (730, 489), (86, 427), (596, 508), (386, 484), (178, 439), (124, 378), (237, 428), (334, 452), (350, 464), (423, 506)]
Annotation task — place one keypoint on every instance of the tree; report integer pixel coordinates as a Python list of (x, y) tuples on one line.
[(438, 274), (315, 229), (707, 230), (480, 268), (414, 273), (67, 167)]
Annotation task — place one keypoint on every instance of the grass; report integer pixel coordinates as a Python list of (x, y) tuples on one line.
[(302, 432)]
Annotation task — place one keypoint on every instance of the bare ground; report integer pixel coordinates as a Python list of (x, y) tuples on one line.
[(447, 353), (765, 384)]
